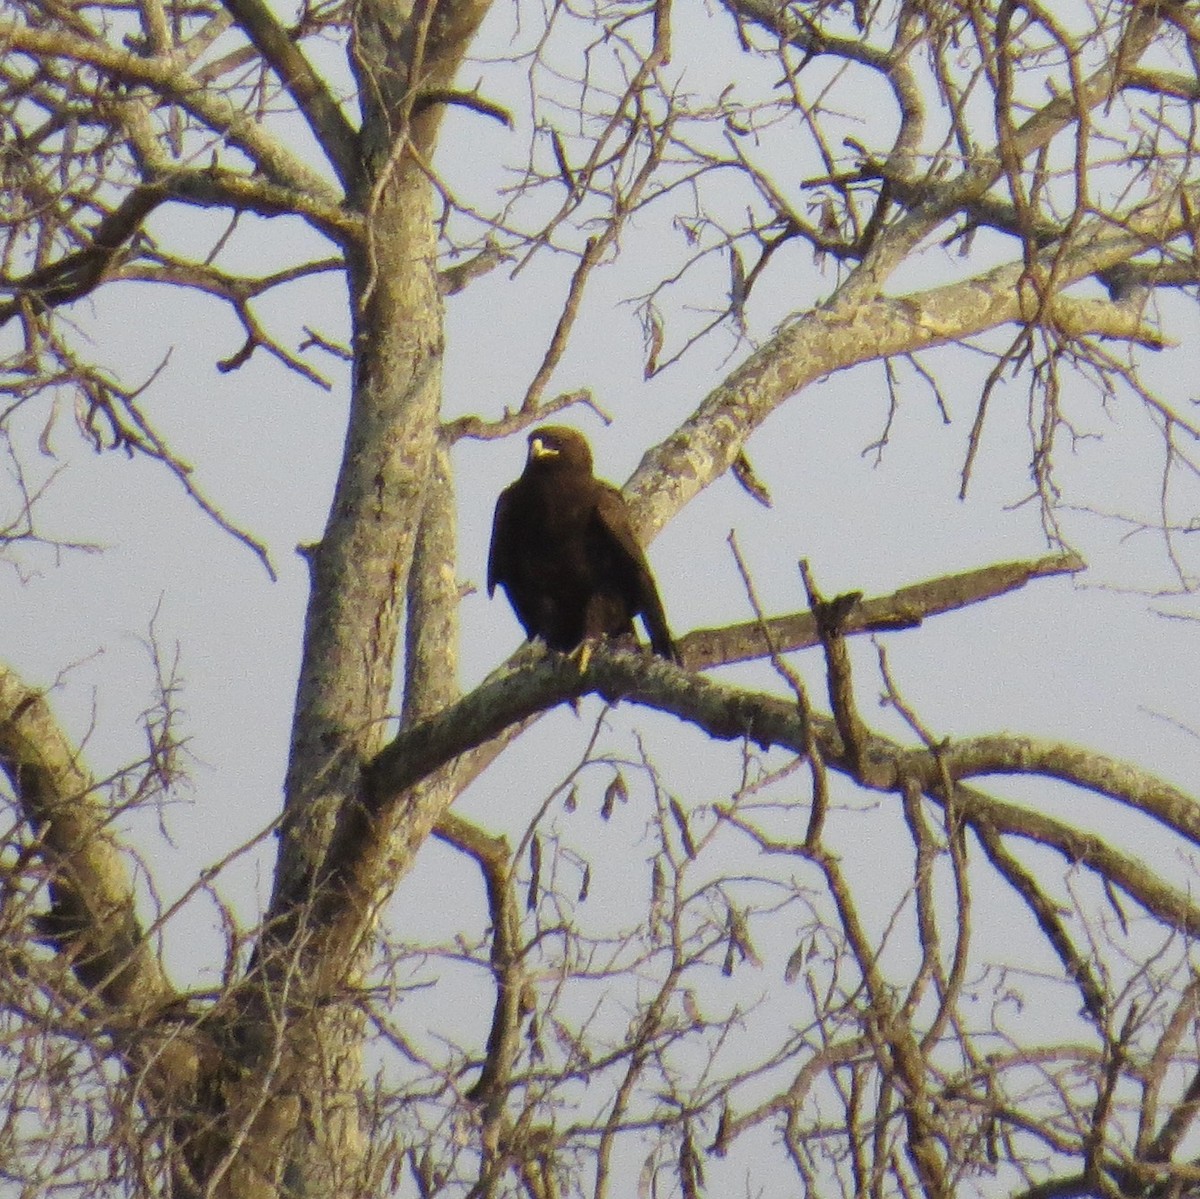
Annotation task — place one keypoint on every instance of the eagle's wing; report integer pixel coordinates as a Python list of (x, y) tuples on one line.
[(499, 567), (613, 517)]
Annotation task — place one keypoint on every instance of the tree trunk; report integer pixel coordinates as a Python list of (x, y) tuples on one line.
[(296, 1022)]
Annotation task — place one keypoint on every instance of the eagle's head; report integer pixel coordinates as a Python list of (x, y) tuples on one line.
[(561, 446)]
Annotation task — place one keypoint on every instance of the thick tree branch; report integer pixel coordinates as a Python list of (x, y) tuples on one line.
[(494, 857), (333, 132), (851, 329), (80, 272), (903, 609), (431, 623), (92, 919), (727, 713), (976, 757), (227, 189)]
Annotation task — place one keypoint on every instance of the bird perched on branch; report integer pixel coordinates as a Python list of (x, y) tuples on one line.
[(564, 550)]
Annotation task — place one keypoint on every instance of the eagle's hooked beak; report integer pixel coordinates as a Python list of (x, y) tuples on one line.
[(541, 449)]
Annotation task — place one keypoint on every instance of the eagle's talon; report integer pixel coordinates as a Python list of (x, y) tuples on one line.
[(581, 655)]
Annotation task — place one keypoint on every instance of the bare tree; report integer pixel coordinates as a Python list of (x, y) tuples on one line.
[(826, 185)]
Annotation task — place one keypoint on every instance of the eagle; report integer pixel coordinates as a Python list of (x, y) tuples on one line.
[(564, 550)]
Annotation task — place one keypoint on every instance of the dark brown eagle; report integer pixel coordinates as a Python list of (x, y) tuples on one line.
[(564, 550)]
